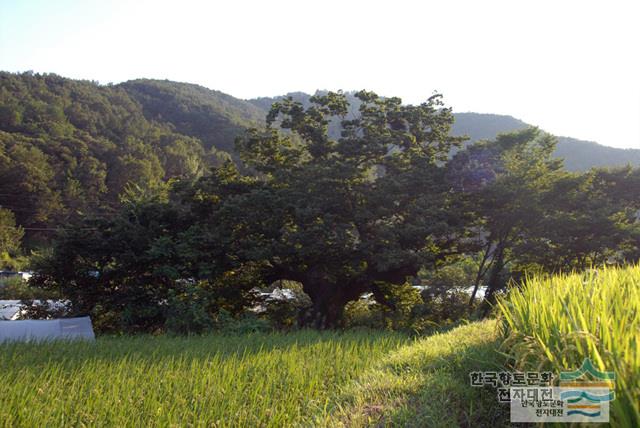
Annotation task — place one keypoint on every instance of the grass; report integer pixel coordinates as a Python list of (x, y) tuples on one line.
[(252, 380), (296, 379), (554, 323), (426, 384), (351, 379)]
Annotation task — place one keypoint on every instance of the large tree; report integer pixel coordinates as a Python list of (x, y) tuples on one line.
[(505, 181), (590, 219), (341, 216)]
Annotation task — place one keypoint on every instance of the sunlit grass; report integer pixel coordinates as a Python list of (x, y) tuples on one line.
[(256, 380), (307, 378), (426, 384), (554, 323), (304, 379)]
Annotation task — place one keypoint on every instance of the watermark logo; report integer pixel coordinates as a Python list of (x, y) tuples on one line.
[(587, 391), (582, 395)]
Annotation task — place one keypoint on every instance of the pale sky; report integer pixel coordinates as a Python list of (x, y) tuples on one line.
[(570, 67)]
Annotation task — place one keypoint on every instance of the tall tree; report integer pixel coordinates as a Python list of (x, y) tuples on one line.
[(506, 180), (343, 216)]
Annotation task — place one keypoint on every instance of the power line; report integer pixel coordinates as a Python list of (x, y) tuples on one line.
[(54, 229)]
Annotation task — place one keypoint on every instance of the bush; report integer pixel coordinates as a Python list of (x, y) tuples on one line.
[(187, 311), (246, 323), (286, 306), (17, 289), (398, 314)]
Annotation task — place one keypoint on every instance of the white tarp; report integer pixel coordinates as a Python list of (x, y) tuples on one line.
[(39, 330)]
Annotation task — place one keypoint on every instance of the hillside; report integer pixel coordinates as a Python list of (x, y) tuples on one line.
[(482, 126), (69, 146), (578, 155), (213, 117)]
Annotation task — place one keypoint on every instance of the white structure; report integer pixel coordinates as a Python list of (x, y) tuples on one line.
[(43, 330), (10, 309), (25, 276)]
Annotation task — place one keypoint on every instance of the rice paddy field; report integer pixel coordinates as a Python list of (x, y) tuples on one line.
[(333, 379), (555, 323), (262, 380), (251, 380)]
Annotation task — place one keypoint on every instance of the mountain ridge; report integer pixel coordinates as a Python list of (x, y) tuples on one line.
[(69, 147)]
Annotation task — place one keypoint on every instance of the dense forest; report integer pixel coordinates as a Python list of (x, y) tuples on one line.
[(153, 204), (69, 147)]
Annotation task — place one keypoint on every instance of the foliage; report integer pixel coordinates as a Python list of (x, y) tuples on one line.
[(288, 308), (144, 269), (10, 240), (400, 310), (120, 269), (244, 324), (375, 199), (17, 289), (345, 194), (528, 215), (214, 118), (578, 155), (42, 309), (187, 311), (68, 148), (446, 293), (590, 219), (554, 323)]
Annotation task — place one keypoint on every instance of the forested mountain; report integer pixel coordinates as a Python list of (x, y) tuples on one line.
[(213, 117), (69, 146), (579, 154), (480, 126)]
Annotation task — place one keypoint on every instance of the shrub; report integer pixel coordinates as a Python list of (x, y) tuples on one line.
[(187, 311), (244, 324), (17, 289)]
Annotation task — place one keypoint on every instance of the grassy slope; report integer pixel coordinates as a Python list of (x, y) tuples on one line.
[(300, 379), (330, 379), (426, 383)]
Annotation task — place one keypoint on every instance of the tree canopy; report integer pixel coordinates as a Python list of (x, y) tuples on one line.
[(342, 198)]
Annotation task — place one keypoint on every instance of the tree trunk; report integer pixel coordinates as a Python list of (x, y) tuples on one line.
[(481, 272), (493, 282), (329, 297), (329, 301)]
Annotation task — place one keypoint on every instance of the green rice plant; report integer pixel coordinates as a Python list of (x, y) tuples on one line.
[(265, 380), (554, 323)]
